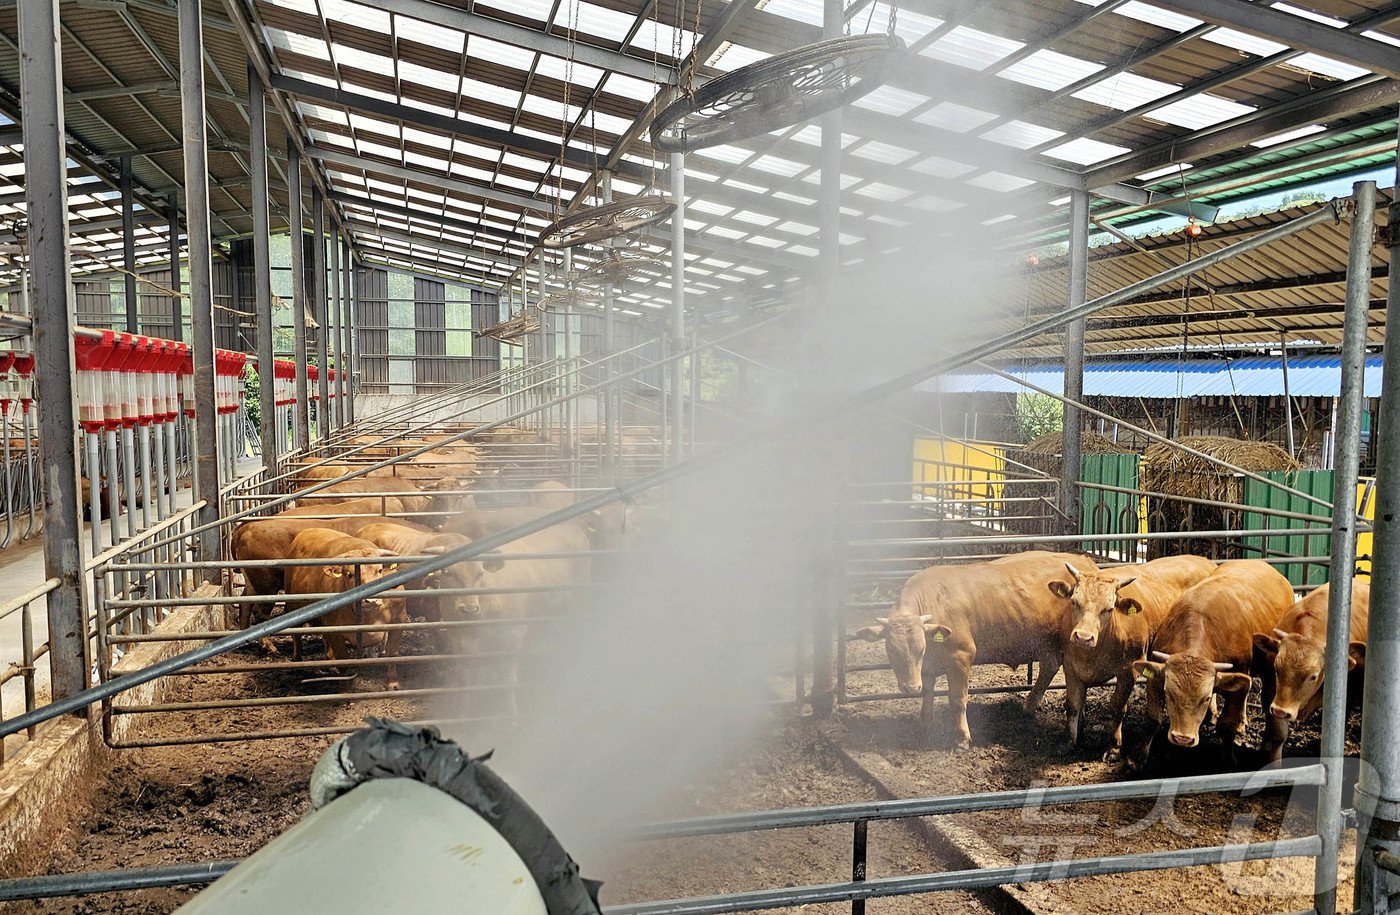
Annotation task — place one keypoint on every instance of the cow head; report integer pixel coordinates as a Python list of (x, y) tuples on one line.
[(382, 608), (1092, 597), (607, 526), (1298, 663), (466, 574), (906, 640), (1184, 684)]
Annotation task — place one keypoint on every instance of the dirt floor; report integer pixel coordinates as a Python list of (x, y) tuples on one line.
[(1016, 749)]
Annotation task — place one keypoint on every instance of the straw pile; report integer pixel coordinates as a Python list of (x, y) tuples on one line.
[(1175, 473)]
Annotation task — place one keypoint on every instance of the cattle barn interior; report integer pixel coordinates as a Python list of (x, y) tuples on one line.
[(757, 455)]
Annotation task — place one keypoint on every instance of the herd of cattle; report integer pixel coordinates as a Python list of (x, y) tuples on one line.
[(1195, 632), (356, 538)]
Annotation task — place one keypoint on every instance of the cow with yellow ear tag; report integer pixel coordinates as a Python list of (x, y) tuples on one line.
[(949, 617)]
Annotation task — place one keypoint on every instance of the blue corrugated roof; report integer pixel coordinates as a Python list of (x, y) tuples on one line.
[(1166, 377)]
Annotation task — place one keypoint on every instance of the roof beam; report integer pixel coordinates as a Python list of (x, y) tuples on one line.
[(350, 161), (367, 203), (1294, 31), (427, 241)]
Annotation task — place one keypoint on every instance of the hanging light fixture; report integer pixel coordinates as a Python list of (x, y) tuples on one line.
[(605, 221), (619, 265)]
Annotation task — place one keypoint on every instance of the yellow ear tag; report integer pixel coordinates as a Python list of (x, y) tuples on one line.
[(938, 636), (1147, 673), (1132, 608)]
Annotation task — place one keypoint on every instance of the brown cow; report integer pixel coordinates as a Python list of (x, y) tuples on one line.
[(605, 527), (404, 541), (1205, 646), (271, 539), (1111, 616), (375, 507), (1292, 660), (323, 543), (421, 496), (948, 617)]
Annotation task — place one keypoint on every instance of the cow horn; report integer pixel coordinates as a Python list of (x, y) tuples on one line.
[(387, 553), (882, 620), (1279, 633), (434, 550), (1161, 656), (1221, 665), (1072, 570), (1125, 582)]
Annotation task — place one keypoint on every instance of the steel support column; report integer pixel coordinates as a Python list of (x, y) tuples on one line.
[(301, 410), (177, 311), (611, 399), (1071, 448), (348, 353), (262, 272), (318, 299), (201, 266), (129, 248), (1287, 395), (337, 416), (1378, 790), (677, 324), (46, 201), (1346, 472)]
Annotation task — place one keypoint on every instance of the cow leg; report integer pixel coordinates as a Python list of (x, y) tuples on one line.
[(1275, 729), (1075, 691), (1231, 722), (337, 646), (1049, 666), (391, 649), (1122, 693), (959, 672)]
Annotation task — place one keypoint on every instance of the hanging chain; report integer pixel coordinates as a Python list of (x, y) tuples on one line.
[(894, 18), (571, 38)]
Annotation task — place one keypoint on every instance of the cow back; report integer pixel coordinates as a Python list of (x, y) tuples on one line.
[(1217, 617)]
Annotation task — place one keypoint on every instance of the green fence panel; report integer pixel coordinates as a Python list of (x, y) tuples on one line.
[(1295, 542), (1107, 512)]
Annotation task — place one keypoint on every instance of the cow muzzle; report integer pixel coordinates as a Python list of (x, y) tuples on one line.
[(1282, 714), (1085, 639), (1183, 740), (912, 689)]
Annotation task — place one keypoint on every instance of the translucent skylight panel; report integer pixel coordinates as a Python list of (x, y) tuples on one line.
[(301, 6), (374, 125), (815, 178), (591, 19), (1165, 171), (883, 152), (971, 48), (724, 232), (952, 116), (806, 11), (752, 218), (793, 198), (941, 168), (892, 101), (1126, 91), (651, 35), (625, 187), (1166, 19), (427, 76), (297, 43), (709, 207), (629, 87), (372, 93), (610, 123), (1085, 151), (1278, 138), (490, 92), (735, 56), (1382, 36), (765, 241), (908, 25), (776, 165), (471, 171), (378, 149), (732, 155), (428, 33), (1201, 110), (1315, 16), (797, 228), (881, 191), (347, 56), (1048, 69), (519, 184), (1022, 135), (366, 17), (467, 148), (549, 108), (323, 138), (500, 53), (1327, 66), (1242, 41), (932, 204), (998, 181), (582, 74)]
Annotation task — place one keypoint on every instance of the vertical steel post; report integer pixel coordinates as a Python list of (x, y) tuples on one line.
[(177, 316), (113, 486), (301, 410), (93, 451), (201, 265), (1345, 475), (1287, 395), (318, 299), (610, 398), (1072, 449), (352, 345), (262, 268), (1378, 789), (129, 247), (336, 418), (46, 201), (677, 328)]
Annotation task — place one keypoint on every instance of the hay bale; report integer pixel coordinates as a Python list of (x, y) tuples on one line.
[(1090, 443), (1172, 472), (1044, 453)]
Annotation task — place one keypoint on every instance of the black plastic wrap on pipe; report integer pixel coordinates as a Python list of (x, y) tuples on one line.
[(388, 749)]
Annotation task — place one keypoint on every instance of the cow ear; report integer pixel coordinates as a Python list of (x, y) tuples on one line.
[(1129, 606), (335, 571), (1266, 645), (1232, 682), (391, 568), (937, 633), (868, 633), (493, 563), (1060, 588), (1149, 670), (1356, 655)]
